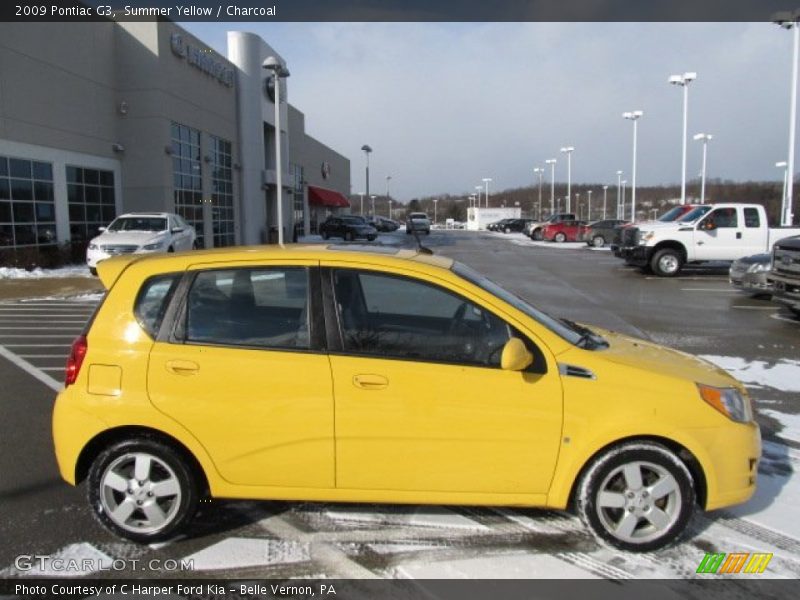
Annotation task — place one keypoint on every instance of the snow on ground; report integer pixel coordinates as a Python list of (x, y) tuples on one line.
[(520, 239), (37, 273), (783, 375), (790, 423)]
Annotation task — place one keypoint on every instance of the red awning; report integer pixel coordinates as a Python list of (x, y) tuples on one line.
[(318, 196)]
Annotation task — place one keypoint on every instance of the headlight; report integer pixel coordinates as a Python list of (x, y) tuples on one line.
[(758, 268), (92, 246), (155, 246), (728, 401), (646, 237)]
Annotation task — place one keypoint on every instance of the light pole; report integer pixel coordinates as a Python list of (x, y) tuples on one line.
[(633, 116), (789, 20), (367, 150), (552, 163), (486, 181), (578, 205), (540, 172), (706, 137), (472, 200), (480, 189), (624, 181), (619, 188), (605, 199), (568, 150), (390, 208), (589, 209), (683, 81), (654, 212), (361, 199), (279, 71), (783, 165), (435, 212), (373, 204), (388, 179)]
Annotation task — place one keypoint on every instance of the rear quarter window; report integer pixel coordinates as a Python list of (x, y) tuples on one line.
[(152, 301)]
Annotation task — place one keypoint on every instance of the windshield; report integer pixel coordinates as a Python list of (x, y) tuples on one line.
[(694, 214), (354, 220), (138, 224), (673, 214), (558, 327)]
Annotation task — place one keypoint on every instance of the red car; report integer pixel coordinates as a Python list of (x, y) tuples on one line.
[(566, 231)]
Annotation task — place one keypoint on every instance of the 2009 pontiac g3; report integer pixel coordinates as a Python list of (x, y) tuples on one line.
[(330, 374)]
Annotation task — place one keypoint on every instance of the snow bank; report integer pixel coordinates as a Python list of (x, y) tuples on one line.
[(63, 272), (782, 375)]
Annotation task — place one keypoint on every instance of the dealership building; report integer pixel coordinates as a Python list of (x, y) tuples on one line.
[(97, 119)]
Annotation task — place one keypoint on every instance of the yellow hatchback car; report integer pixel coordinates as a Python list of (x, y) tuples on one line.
[(338, 374)]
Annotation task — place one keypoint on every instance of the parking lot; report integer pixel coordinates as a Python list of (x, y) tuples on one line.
[(696, 312)]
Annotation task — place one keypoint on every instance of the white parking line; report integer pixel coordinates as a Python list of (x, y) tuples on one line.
[(31, 370), (718, 290)]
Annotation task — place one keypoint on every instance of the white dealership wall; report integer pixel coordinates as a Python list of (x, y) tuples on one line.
[(479, 218)]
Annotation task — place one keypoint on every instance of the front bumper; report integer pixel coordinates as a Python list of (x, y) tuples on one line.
[(735, 453), (785, 290), (751, 283), (635, 255)]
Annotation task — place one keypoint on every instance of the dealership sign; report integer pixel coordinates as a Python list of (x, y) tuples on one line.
[(202, 59)]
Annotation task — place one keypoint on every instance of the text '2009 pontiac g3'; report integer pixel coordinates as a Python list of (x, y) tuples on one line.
[(337, 374)]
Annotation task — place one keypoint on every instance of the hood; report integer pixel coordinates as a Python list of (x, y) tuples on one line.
[(137, 238), (653, 358), (660, 226), (763, 259)]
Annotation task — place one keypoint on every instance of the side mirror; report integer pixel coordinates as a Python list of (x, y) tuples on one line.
[(516, 356), (177, 229), (101, 229)]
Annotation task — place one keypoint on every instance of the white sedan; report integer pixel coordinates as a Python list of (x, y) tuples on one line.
[(139, 233)]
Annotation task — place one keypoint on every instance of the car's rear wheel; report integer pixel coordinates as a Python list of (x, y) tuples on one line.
[(507, 230), (598, 241), (560, 238), (143, 490), (638, 496), (371, 238), (666, 262)]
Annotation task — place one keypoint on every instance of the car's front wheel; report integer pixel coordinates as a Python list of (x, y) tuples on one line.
[(348, 236), (143, 490), (638, 496), (666, 262), (536, 235), (598, 241), (560, 238)]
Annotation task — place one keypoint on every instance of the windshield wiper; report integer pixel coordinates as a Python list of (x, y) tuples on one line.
[(589, 340)]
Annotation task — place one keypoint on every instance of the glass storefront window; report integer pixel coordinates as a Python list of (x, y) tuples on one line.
[(187, 177), (27, 203), (222, 192), (90, 197)]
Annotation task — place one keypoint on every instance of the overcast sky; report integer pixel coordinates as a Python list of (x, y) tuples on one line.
[(443, 105)]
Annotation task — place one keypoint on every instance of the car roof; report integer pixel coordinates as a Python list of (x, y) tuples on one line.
[(147, 214), (110, 269)]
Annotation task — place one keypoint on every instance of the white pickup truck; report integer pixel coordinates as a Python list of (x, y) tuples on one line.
[(718, 232)]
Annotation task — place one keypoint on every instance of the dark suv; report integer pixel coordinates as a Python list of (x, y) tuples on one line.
[(347, 227)]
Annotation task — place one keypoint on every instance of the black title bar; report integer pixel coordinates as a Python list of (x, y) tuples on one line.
[(393, 10)]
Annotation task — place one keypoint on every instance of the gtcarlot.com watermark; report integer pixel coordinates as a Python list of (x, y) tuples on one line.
[(44, 563)]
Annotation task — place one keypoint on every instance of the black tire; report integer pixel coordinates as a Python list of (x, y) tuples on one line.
[(93, 271), (165, 465), (507, 230), (536, 235), (196, 245), (666, 262), (640, 508), (348, 236), (371, 238), (560, 238), (325, 234), (428, 232), (795, 311), (598, 241), (170, 249)]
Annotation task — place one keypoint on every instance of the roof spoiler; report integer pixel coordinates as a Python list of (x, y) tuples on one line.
[(109, 270)]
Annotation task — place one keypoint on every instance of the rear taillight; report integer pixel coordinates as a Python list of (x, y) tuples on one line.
[(75, 360)]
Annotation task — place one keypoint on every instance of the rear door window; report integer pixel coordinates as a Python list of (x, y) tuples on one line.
[(260, 307), (751, 217)]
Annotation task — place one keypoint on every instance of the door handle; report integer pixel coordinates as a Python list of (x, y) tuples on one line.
[(370, 382), (182, 367), (738, 235)]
